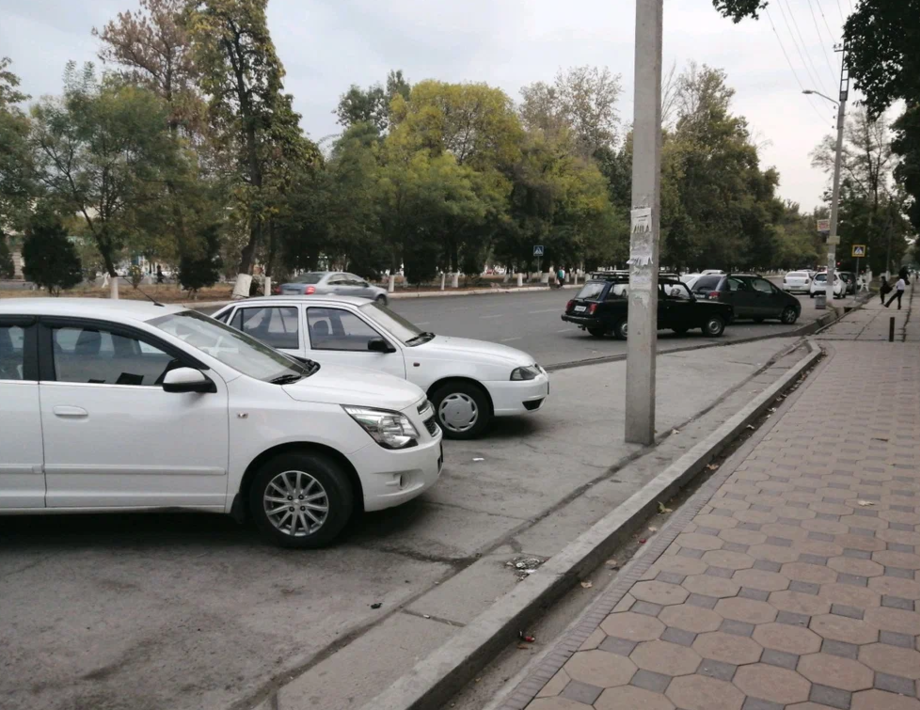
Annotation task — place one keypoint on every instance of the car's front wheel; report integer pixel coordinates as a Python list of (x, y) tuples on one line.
[(714, 327), (301, 499), (789, 315), (621, 329), (381, 300), (463, 409)]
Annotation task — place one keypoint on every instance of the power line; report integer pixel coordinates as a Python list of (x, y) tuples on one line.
[(826, 24), (798, 31), (792, 67), (827, 57), (815, 81), (840, 10)]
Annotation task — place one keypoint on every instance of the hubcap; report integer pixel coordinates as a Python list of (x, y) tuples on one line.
[(714, 326), (624, 329), (789, 315), (458, 412), (296, 503)]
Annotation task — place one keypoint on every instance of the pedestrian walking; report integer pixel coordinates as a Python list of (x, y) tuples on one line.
[(898, 292), (560, 277), (884, 289)]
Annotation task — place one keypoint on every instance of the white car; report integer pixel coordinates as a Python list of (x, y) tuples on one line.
[(797, 281), (711, 272), (467, 381), (819, 285), (110, 406)]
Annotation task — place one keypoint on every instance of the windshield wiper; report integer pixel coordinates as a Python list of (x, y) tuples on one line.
[(286, 379), (419, 339)]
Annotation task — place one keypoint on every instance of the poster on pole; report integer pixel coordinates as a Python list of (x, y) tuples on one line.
[(824, 227), (640, 247)]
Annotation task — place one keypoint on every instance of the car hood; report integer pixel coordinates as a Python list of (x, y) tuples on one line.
[(335, 384), (443, 347)]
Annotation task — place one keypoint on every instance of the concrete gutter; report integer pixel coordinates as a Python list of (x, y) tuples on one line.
[(433, 681)]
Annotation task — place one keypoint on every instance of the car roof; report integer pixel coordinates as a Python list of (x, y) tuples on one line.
[(103, 308), (296, 298)]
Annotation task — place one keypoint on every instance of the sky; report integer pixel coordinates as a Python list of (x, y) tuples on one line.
[(327, 45)]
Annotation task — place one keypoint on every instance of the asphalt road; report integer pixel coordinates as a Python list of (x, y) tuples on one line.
[(531, 322)]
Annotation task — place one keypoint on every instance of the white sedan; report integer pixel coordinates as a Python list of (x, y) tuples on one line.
[(467, 381), (110, 406), (797, 281), (819, 285)]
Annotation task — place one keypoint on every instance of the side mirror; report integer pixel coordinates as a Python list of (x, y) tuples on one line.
[(379, 345), (187, 379), (364, 284)]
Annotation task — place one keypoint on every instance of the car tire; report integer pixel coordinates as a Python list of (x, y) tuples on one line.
[(811, 295), (621, 329), (305, 474), (597, 332), (459, 398), (381, 300), (714, 327), (789, 315)]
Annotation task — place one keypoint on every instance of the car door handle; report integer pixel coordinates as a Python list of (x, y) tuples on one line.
[(70, 412)]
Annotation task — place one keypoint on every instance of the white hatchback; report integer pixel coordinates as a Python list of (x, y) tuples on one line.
[(797, 281), (107, 406), (819, 285), (467, 381)]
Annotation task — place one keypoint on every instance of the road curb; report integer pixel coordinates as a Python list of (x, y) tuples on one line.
[(434, 680)]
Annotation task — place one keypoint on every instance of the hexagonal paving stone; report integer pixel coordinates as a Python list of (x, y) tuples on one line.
[(659, 593), (593, 641), (819, 547), (680, 565), (809, 706), (699, 692), (895, 586), (759, 579), (836, 672), (555, 686), (777, 685), (785, 531), (905, 622), (860, 542), (715, 521), (880, 700), (743, 537), (556, 704), (891, 558), (631, 697), (599, 668), (727, 648), (903, 662), (728, 560), (805, 572), (799, 603), (666, 658), (852, 565), (696, 541), (690, 618), (711, 586), (750, 611), (842, 628), (773, 553), (634, 627), (850, 595), (904, 537), (784, 637)]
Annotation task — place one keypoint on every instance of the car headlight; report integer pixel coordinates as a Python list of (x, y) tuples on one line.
[(391, 430), (531, 372)]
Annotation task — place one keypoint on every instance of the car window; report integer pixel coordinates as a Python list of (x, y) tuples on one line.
[(796, 275), (337, 280), (591, 290), (737, 285), (391, 322), (821, 277), (12, 339), (763, 286), (337, 329), (223, 317), (677, 292), (275, 326), (705, 284), (355, 280), (617, 292), (308, 278), (97, 356)]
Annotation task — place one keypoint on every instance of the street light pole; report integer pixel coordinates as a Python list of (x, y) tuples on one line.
[(642, 326)]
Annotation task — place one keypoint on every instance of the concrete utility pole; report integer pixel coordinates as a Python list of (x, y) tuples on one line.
[(642, 327)]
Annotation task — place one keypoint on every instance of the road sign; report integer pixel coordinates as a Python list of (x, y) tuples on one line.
[(859, 251), (833, 241), (824, 226), (538, 250)]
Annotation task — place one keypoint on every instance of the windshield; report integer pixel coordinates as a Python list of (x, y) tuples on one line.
[(821, 277), (233, 348), (706, 283), (591, 290), (394, 323), (309, 278)]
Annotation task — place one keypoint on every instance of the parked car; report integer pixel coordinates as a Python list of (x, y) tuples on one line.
[(849, 279), (711, 272), (750, 296), (797, 281), (467, 381), (325, 283), (601, 307), (819, 285), (112, 406)]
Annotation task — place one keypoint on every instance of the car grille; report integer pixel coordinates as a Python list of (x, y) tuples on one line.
[(432, 426)]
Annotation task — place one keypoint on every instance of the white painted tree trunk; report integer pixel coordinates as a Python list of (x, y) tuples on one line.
[(241, 288), (520, 280), (113, 288), (455, 280), (267, 287), (391, 286)]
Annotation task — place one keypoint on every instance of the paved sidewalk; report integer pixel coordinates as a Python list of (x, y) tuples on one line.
[(871, 322), (791, 581)]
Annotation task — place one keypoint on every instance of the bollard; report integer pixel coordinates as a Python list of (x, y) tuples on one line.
[(455, 280), (520, 280), (891, 329)]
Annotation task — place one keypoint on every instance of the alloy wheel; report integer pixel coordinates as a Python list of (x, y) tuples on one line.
[(296, 503)]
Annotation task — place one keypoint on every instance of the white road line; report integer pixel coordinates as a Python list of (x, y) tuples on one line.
[(545, 310), (495, 316), (510, 340), (566, 330), (424, 322)]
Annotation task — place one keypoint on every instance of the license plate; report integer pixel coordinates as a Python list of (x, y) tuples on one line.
[(580, 309)]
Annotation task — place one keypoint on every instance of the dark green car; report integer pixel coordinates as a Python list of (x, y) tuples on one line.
[(751, 297)]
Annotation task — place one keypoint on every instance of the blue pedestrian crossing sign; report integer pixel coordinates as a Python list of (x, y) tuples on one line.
[(859, 250), (538, 250)]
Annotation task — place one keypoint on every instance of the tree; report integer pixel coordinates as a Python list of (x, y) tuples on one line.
[(17, 185), (202, 269), (50, 258), (6, 258), (242, 77), (372, 105), (102, 151)]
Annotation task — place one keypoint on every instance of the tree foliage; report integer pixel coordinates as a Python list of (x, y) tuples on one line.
[(51, 260), (16, 175), (372, 105)]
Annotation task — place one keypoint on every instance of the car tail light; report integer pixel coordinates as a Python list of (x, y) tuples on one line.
[(713, 295), (592, 308), (570, 305), (309, 290)]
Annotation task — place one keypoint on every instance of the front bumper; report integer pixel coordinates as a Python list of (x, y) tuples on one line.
[(518, 396), (390, 478)]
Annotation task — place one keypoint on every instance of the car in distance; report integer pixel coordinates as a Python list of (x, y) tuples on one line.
[(796, 281), (750, 296), (112, 406), (467, 381), (326, 283), (601, 307), (849, 278), (819, 285)]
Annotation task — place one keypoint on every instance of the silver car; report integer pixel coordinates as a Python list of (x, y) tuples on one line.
[(333, 282)]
